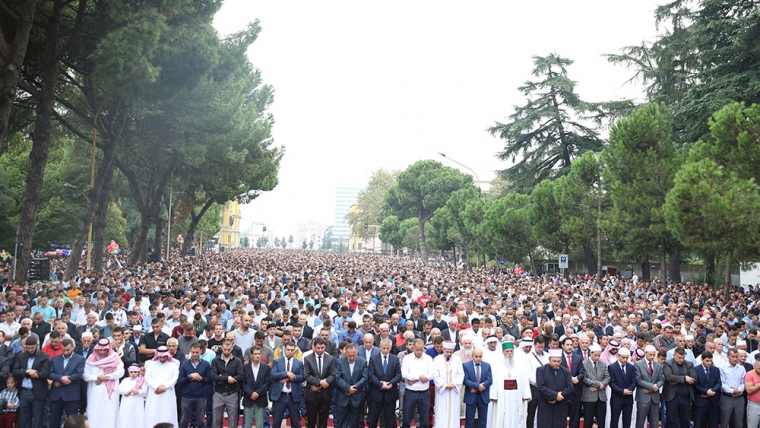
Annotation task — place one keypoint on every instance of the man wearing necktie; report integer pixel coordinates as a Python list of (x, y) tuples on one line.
[(623, 384), (384, 374), (477, 386), (351, 374), (319, 374), (707, 393), (596, 382), (574, 364), (555, 386), (649, 381), (286, 387)]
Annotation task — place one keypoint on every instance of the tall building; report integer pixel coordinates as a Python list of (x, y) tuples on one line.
[(344, 198), (309, 231), (230, 233)]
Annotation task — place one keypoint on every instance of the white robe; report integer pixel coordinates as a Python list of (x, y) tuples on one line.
[(161, 407), (102, 411), (447, 400), (462, 407), (508, 403), (132, 410)]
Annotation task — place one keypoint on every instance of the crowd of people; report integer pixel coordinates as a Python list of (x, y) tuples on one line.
[(361, 339)]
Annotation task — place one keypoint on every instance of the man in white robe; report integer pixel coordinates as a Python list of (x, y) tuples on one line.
[(509, 390), (102, 372), (465, 355), (161, 375), (448, 381), (492, 353), (523, 364)]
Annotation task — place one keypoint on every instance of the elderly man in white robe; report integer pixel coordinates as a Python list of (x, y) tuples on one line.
[(449, 377), (161, 375), (510, 389), (492, 352), (465, 354), (522, 353)]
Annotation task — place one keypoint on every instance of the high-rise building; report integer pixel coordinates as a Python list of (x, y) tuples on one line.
[(344, 198)]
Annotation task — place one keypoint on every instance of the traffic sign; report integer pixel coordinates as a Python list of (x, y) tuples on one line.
[(563, 261), (501, 262)]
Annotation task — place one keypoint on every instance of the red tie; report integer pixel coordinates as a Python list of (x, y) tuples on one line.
[(287, 384), (570, 363), (651, 372)]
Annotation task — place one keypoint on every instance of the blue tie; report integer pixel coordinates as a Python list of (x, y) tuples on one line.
[(385, 364)]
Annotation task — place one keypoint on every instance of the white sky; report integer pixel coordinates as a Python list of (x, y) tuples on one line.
[(363, 85)]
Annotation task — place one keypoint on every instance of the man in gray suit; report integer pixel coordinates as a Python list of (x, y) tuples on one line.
[(351, 376), (596, 382), (368, 348), (649, 381)]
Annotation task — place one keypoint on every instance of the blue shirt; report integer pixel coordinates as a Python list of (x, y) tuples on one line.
[(355, 338), (732, 377), (48, 313), (27, 382)]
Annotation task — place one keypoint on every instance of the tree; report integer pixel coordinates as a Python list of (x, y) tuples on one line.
[(455, 208), (507, 226), (262, 242), (713, 210), (706, 57), (546, 133), (640, 164), (284, 242), (420, 190), (364, 219), (311, 244), (244, 242), (276, 242), (116, 226), (408, 233), (304, 245), (390, 232), (439, 229)]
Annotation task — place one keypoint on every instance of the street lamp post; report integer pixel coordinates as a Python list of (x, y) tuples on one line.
[(89, 233), (464, 166)]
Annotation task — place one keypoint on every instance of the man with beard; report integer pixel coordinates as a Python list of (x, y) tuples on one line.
[(161, 374), (509, 390), (465, 355), (448, 386), (492, 354), (554, 384)]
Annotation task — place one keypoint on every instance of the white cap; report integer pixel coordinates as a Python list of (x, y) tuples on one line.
[(741, 342), (689, 337), (650, 348), (595, 348), (449, 345), (555, 352), (624, 352)]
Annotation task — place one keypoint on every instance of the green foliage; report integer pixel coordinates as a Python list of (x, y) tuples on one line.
[(507, 226), (276, 242), (408, 231), (439, 229), (455, 213), (390, 231), (369, 204), (116, 226), (262, 242), (640, 164), (547, 133), (421, 189), (244, 242), (304, 245)]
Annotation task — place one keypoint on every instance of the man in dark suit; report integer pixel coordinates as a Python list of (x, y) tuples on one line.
[(351, 376), (680, 377), (649, 381), (554, 385), (66, 372), (452, 333), (623, 384), (286, 388), (367, 349), (32, 369), (574, 364), (477, 384), (255, 388), (385, 333), (384, 374), (708, 388), (40, 327), (318, 369), (594, 396)]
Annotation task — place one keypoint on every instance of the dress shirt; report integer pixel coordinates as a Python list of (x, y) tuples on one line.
[(27, 382), (413, 367), (255, 370), (732, 377), (288, 367), (66, 361), (351, 368)]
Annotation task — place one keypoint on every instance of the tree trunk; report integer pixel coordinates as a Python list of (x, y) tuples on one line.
[(423, 241), (140, 246), (43, 126), (194, 221), (663, 263), (158, 240), (598, 239), (99, 224), (13, 54), (645, 271), (675, 266), (588, 252), (727, 279), (532, 262), (710, 268)]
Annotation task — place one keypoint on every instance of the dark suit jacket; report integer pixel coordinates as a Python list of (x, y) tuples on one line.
[(392, 337), (312, 376), (471, 382), (74, 370), (447, 336), (703, 384), (362, 352), (279, 372), (42, 365), (673, 379), (344, 379), (376, 376), (618, 383), (332, 349), (129, 356), (260, 385), (79, 350), (578, 371), (579, 352), (42, 329)]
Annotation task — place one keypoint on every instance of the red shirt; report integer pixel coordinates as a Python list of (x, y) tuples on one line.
[(52, 352)]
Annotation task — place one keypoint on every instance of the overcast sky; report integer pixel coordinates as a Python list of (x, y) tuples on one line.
[(363, 85)]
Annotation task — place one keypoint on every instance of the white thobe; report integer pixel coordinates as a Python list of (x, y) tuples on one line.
[(132, 410), (508, 402), (462, 408), (101, 410), (447, 400), (161, 407)]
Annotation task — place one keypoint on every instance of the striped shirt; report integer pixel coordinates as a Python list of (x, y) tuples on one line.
[(11, 396)]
